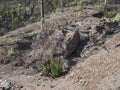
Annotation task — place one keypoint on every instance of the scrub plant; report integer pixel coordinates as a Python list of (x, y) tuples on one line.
[(11, 51), (54, 67), (117, 17)]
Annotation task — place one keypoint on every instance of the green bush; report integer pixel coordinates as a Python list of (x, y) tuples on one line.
[(56, 68), (53, 68), (11, 51), (80, 4), (14, 14), (109, 14), (117, 17), (46, 69), (11, 17)]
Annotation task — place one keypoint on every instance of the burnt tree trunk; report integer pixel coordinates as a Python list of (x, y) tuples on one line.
[(42, 13)]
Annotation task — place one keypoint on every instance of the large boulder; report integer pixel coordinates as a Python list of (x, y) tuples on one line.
[(71, 43)]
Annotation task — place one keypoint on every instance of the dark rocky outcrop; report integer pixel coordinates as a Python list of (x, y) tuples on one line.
[(98, 15), (71, 43)]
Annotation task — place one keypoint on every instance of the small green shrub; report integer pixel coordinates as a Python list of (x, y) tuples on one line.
[(79, 14), (35, 32), (11, 40), (74, 2), (109, 14), (71, 13), (57, 10), (53, 68), (33, 18), (117, 17), (80, 4), (11, 51), (56, 68), (46, 69)]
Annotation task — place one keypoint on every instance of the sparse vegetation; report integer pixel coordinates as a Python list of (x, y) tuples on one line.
[(13, 40), (80, 4), (74, 2), (14, 14), (71, 13), (109, 14), (34, 32), (11, 17), (56, 68), (53, 68), (117, 17), (98, 7), (79, 14), (10, 51)]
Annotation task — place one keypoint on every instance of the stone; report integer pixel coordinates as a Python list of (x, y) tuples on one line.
[(71, 43), (5, 85), (98, 15), (99, 29)]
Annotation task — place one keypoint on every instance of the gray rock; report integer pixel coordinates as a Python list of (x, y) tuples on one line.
[(98, 15), (71, 43), (5, 85)]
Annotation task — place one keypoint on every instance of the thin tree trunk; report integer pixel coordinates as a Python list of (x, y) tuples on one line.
[(42, 14), (105, 4)]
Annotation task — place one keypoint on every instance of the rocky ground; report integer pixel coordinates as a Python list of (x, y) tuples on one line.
[(90, 45)]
